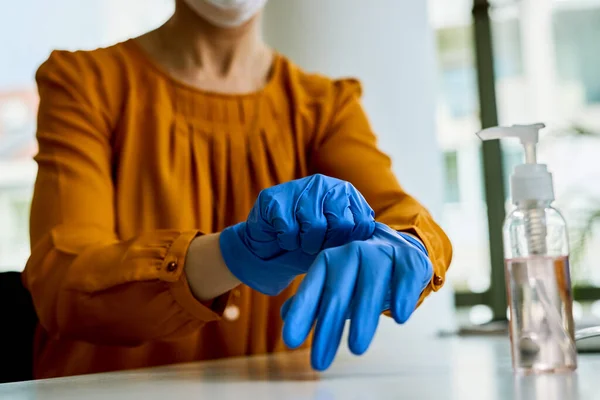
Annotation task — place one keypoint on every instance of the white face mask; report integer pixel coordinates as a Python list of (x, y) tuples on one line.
[(226, 13)]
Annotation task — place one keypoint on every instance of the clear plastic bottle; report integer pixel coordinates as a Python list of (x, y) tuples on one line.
[(538, 285), (538, 280)]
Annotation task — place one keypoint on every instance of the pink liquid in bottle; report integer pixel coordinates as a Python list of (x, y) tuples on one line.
[(541, 314)]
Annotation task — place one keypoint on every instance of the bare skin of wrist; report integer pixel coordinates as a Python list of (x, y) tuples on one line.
[(207, 273)]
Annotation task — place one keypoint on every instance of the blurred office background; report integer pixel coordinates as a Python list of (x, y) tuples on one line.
[(417, 62)]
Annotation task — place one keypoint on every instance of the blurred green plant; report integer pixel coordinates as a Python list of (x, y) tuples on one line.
[(581, 237), (588, 216)]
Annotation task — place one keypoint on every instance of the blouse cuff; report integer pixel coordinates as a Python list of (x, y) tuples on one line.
[(179, 285)]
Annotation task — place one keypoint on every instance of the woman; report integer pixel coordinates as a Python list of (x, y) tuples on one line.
[(186, 178)]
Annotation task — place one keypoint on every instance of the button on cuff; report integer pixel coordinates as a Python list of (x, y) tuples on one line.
[(172, 263), (172, 266)]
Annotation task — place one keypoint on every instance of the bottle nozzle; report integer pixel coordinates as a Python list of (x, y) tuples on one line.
[(527, 134), (529, 181), (530, 153)]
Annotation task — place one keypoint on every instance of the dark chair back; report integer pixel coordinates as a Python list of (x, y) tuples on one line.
[(18, 322)]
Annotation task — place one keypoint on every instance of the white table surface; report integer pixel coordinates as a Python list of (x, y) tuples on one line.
[(441, 369)]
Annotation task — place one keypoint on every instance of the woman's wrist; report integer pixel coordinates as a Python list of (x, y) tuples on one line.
[(206, 271)]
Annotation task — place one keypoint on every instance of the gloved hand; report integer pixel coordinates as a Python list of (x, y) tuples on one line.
[(358, 281), (289, 225)]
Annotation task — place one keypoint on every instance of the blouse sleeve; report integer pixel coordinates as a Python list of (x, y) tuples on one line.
[(86, 283), (346, 148)]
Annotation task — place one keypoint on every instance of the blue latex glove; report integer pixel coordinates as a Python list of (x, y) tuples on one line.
[(358, 281), (289, 225)]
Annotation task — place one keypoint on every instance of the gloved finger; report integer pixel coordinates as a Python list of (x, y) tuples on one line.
[(302, 309), (296, 261), (273, 218), (410, 271), (363, 214), (372, 287), (285, 308), (340, 221), (262, 242), (342, 273), (310, 216)]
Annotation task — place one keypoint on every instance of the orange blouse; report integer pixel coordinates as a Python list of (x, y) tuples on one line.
[(134, 164)]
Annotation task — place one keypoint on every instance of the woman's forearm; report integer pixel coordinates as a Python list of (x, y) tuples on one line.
[(207, 273)]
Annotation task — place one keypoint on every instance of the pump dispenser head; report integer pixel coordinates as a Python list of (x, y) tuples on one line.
[(530, 181)]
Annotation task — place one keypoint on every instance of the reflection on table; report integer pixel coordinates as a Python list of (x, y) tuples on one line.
[(451, 368)]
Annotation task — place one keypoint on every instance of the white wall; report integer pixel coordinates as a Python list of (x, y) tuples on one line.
[(388, 44), (30, 29)]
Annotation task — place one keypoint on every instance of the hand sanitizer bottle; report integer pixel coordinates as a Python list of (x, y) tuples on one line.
[(538, 280)]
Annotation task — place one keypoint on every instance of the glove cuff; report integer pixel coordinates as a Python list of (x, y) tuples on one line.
[(236, 255), (414, 241), (246, 266), (417, 243)]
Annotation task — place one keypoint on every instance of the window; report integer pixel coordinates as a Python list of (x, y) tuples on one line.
[(464, 214), (457, 72), (14, 245), (546, 70), (561, 87), (575, 33), (451, 184)]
